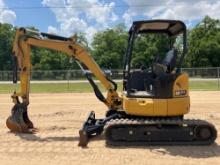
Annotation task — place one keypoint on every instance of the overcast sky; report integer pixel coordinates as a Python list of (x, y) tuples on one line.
[(65, 17)]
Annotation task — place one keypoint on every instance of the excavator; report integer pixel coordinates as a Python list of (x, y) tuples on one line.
[(149, 110)]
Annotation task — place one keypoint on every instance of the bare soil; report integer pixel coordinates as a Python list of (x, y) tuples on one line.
[(59, 117)]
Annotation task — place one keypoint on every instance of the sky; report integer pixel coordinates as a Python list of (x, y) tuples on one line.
[(65, 17)]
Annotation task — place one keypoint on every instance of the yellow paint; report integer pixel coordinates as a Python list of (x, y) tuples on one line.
[(178, 106), (26, 39), (160, 107), (181, 83), (138, 106), (156, 107)]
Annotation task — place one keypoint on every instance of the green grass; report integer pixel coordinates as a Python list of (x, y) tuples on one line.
[(55, 88), (204, 85), (85, 87)]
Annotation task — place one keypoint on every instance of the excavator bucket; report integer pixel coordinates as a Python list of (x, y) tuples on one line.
[(19, 120)]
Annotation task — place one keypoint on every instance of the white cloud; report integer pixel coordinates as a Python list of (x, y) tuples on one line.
[(146, 6), (81, 16), (90, 32), (52, 30), (189, 11), (73, 25), (102, 14), (6, 15), (186, 10), (127, 16)]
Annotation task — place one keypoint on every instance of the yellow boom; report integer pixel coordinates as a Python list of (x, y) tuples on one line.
[(25, 39)]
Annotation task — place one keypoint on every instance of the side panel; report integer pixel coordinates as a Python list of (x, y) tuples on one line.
[(178, 106), (160, 107), (138, 106), (156, 107)]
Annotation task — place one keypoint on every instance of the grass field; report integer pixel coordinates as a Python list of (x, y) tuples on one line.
[(85, 87)]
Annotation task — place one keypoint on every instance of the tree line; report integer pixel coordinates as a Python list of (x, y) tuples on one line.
[(108, 48)]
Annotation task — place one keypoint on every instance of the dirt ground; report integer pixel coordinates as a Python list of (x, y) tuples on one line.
[(59, 117)]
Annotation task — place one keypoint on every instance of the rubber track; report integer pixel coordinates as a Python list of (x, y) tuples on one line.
[(193, 123)]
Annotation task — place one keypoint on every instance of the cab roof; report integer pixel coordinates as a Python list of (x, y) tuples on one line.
[(171, 27)]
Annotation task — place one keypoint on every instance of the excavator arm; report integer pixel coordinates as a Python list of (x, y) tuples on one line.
[(25, 39)]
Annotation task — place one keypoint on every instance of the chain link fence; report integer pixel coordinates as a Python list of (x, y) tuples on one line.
[(204, 73), (195, 74), (58, 75)]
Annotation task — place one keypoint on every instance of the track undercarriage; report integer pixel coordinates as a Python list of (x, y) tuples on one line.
[(125, 130)]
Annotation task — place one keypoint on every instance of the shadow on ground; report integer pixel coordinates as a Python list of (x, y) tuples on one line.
[(184, 151), (35, 137)]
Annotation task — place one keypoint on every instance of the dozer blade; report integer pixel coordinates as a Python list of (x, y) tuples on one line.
[(19, 120), (93, 127)]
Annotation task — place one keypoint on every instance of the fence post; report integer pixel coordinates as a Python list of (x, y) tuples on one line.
[(218, 78)]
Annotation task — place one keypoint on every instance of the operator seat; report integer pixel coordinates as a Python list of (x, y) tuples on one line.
[(170, 60), (167, 64), (163, 83)]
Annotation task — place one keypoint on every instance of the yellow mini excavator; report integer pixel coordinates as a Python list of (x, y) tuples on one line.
[(149, 111)]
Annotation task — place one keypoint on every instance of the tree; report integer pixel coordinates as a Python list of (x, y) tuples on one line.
[(108, 47), (204, 44), (52, 60), (148, 47), (46, 59), (7, 33)]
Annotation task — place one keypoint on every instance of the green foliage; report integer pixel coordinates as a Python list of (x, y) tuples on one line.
[(108, 47), (204, 42), (44, 59), (147, 47), (6, 40)]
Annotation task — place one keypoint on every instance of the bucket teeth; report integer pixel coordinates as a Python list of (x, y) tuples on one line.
[(19, 121)]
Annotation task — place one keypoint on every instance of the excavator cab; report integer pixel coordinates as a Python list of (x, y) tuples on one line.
[(147, 82), (161, 82)]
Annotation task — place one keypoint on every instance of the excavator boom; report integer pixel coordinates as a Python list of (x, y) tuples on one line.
[(25, 39)]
